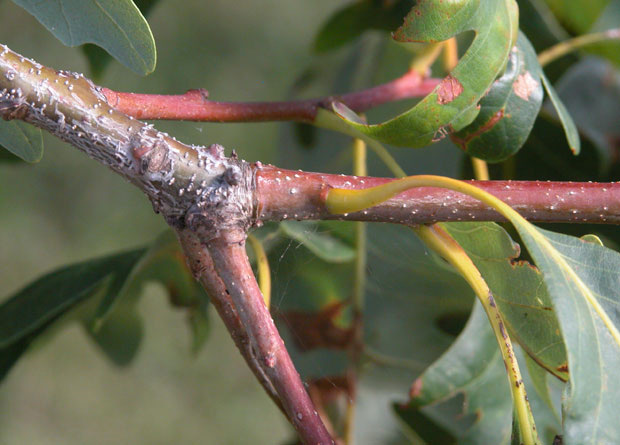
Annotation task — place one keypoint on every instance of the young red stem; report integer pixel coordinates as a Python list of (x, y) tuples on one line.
[(287, 194), (201, 265), (195, 106), (232, 265)]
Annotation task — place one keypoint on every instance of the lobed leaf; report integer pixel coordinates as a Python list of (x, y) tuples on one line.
[(115, 25), (453, 104), (471, 367), (519, 292), (509, 109), (583, 280)]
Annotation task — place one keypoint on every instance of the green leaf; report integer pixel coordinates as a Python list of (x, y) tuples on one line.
[(57, 292), (8, 157), (453, 104), (539, 375), (508, 111), (519, 291), (112, 284), (322, 244), (577, 15), (115, 25), (471, 366), (162, 262), (425, 428), (10, 354), (351, 21), (582, 279), (570, 129), (97, 58), (21, 139), (119, 338)]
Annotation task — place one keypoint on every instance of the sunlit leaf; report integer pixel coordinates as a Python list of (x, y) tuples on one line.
[(508, 110), (453, 104), (583, 280), (21, 139), (115, 25)]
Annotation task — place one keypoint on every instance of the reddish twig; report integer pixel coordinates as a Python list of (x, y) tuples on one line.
[(232, 266), (201, 265), (287, 194), (195, 106)]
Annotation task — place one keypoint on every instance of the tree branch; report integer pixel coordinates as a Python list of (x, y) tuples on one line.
[(286, 194), (232, 265), (195, 106), (201, 265), (211, 201)]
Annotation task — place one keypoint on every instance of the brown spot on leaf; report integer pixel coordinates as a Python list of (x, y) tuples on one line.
[(463, 142), (525, 85), (449, 89), (563, 367), (318, 329)]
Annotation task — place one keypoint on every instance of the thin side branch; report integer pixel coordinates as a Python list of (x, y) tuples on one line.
[(288, 194), (232, 265), (195, 106), (201, 265)]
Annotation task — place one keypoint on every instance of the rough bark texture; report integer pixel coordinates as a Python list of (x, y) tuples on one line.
[(184, 183)]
